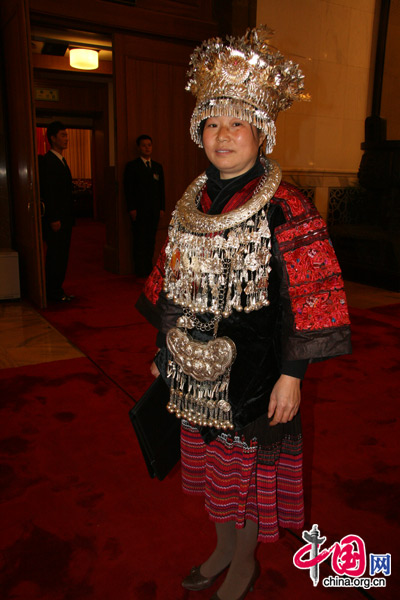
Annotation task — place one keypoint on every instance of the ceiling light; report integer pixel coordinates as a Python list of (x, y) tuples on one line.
[(82, 58)]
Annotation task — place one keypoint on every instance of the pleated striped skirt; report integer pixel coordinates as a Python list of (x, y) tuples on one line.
[(243, 481)]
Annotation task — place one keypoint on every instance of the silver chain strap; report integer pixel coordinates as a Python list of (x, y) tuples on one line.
[(214, 322)]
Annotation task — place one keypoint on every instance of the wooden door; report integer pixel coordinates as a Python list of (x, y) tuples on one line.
[(24, 188), (150, 98)]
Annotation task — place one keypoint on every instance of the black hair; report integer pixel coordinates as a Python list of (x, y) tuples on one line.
[(53, 129), (144, 136)]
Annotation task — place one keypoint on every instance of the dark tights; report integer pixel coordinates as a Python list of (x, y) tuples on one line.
[(237, 547)]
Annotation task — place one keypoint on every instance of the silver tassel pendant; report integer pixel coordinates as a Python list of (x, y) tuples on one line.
[(202, 403)]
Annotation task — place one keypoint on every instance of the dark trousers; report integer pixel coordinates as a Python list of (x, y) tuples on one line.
[(144, 240), (58, 243)]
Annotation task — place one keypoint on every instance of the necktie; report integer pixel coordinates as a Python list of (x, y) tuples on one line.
[(66, 165), (148, 164)]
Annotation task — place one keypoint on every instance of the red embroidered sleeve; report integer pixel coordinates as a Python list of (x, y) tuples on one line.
[(315, 282)]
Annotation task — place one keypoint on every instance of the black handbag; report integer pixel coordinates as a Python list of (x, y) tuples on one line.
[(157, 430)]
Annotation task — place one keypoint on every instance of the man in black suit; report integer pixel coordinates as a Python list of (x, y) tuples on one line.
[(145, 198), (56, 194)]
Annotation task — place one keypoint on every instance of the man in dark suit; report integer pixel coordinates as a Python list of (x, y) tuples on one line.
[(56, 194), (145, 198)]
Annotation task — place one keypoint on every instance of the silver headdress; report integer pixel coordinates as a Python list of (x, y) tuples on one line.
[(244, 78)]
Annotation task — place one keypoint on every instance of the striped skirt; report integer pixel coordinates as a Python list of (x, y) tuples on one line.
[(242, 481)]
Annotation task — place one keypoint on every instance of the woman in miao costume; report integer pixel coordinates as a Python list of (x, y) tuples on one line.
[(246, 293)]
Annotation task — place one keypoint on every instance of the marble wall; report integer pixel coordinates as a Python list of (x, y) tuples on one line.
[(391, 74), (332, 42)]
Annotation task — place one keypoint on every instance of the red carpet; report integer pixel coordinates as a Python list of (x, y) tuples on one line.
[(81, 519)]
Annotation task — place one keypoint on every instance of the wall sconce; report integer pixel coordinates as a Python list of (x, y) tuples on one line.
[(82, 58)]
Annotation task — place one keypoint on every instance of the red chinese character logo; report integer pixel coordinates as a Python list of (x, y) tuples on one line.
[(348, 556)]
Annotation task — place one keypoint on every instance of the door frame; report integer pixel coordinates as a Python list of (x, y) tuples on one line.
[(23, 162)]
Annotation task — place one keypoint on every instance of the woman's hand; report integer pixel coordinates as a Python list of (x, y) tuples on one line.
[(285, 399), (154, 369)]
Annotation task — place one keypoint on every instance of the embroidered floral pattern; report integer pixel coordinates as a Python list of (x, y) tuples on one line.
[(291, 200), (315, 283), (309, 227), (311, 263), (320, 311)]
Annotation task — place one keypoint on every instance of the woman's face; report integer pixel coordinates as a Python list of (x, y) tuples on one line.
[(231, 145)]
